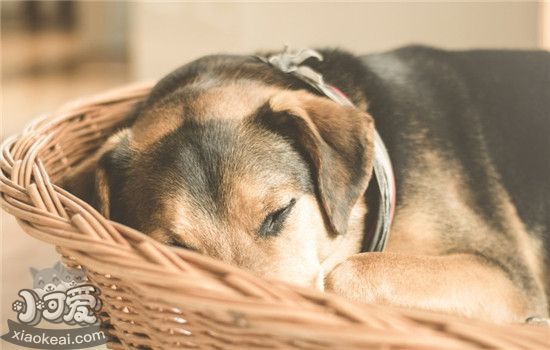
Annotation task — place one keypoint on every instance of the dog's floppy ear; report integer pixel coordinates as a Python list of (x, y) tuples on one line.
[(89, 181), (337, 141)]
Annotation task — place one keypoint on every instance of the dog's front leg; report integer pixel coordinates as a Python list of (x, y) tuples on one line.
[(461, 284)]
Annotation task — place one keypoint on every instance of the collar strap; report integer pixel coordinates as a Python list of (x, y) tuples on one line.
[(291, 63)]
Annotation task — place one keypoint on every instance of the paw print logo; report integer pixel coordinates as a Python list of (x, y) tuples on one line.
[(40, 304), (17, 306)]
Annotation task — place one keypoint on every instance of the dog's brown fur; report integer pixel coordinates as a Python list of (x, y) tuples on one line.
[(273, 144)]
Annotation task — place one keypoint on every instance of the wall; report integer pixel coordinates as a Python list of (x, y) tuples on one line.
[(165, 35), (544, 15)]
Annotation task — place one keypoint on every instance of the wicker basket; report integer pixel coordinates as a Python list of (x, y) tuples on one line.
[(155, 296)]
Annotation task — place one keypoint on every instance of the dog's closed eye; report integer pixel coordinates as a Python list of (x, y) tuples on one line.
[(273, 223), (174, 241)]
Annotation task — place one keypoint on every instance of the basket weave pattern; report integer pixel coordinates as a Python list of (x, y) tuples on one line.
[(155, 296)]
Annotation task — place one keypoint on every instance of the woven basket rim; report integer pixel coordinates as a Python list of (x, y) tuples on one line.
[(48, 148)]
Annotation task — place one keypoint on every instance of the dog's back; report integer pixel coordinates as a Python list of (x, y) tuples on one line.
[(511, 91), (487, 114)]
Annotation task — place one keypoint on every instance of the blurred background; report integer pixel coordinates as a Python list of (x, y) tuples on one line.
[(53, 52)]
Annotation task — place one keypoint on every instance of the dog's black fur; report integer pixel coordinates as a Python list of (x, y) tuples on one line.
[(478, 106)]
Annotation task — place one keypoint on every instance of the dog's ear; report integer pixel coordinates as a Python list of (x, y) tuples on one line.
[(89, 180), (336, 140)]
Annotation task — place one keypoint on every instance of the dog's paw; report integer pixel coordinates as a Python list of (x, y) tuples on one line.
[(348, 279), (538, 321)]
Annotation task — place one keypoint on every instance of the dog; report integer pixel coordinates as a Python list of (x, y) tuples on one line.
[(235, 159)]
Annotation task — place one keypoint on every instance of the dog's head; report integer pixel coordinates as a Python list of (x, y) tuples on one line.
[(252, 173)]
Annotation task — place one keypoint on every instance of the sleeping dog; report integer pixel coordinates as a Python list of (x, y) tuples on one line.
[(236, 159)]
